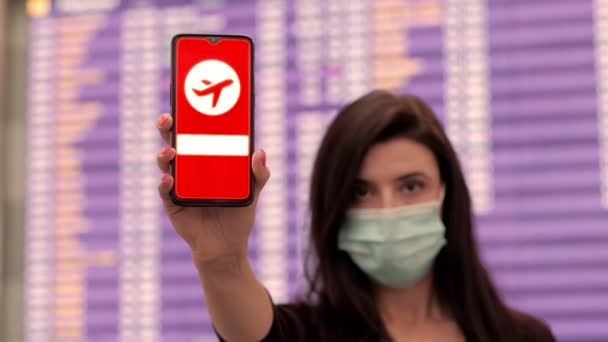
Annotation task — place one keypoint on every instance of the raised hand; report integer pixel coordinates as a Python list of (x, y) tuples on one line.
[(211, 232)]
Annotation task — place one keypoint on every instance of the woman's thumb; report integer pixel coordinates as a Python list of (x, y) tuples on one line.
[(260, 171)]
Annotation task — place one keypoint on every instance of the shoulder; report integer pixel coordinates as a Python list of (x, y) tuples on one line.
[(300, 311), (532, 328), (293, 322), (301, 321), (304, 314), (290, 322)]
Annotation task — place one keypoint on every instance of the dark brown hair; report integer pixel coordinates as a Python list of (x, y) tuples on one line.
[(461, 283)]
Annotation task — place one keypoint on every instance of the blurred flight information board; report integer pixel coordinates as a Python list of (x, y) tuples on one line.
[(521, 87)]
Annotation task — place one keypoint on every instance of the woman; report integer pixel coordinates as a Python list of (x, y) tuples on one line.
[(391, 236)]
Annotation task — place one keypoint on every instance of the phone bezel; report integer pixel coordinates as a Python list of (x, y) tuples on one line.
[(214, 202)]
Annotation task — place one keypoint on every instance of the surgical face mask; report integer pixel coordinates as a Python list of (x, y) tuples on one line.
[(397, 246)]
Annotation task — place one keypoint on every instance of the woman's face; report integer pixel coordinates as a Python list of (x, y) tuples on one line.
[(397, 173)]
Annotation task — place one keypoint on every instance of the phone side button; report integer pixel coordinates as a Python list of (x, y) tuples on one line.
[(171, 91)]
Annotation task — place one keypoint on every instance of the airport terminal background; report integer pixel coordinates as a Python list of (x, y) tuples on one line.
[(87, 253)]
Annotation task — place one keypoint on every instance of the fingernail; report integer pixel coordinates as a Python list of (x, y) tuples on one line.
[(165, 150), (164, 177), (162, 121), (263, 157)]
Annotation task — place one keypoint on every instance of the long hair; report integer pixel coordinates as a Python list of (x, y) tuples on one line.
[(335, 283)]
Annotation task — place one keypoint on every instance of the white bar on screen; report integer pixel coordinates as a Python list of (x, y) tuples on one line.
[(212, 145)]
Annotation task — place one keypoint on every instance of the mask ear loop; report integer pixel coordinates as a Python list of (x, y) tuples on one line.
[(441, 197)]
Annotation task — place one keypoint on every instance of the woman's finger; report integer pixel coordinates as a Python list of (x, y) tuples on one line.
[(261, 172), (164, 187), (164, 157), (164, 190), (163, 124)]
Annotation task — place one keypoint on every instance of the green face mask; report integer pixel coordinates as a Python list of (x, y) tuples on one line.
[(397, 246)]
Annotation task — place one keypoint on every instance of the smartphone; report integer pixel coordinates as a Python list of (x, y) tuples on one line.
[(212, 104)]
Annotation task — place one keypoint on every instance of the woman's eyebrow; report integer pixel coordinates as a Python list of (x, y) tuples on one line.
[(410, 175)]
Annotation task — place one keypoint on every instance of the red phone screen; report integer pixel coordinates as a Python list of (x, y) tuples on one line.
[(212, 89)]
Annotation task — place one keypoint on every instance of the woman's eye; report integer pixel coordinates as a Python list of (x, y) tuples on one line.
[(361, 193), (412, 186)]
